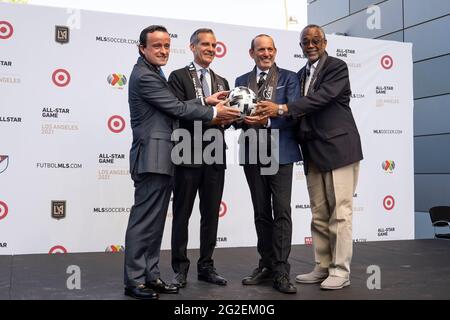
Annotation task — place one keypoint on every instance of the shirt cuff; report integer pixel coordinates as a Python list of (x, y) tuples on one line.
[(268, 124), (215, 112)]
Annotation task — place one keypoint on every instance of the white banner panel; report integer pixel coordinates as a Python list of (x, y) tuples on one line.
[(65, 130)]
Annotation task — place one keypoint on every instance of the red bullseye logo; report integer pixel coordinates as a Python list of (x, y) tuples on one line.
[(221, 49), (116, 124), (3, 210), (388, 203), (387, 62), (6, 30), (57, 249), (223, 209), (61, 77)]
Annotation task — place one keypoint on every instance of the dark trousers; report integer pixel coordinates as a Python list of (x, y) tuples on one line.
[(145, 227), (271, 198), (208, 180)]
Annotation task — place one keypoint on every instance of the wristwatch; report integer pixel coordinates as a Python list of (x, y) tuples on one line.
[(280, 110)]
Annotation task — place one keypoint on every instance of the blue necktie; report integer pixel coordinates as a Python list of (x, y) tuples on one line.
[(205, 86), (161, 73)]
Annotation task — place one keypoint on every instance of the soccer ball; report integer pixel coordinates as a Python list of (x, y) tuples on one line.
[(244, 99)]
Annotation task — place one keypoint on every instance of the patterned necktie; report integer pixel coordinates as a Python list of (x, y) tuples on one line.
[(205, 86), (309, 76), (262, 79)]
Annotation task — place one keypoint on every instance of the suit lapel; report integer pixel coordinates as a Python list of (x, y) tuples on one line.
[(317, 74), (152, 68)]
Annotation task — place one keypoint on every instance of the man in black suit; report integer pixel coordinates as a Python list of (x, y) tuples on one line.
[(153, 111), (332, 151), (271, 193), (197, 80)]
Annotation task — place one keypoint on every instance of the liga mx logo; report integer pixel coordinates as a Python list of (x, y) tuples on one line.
[(117, 80), (4, 162), (115, 248), (6, 30), (61, 77), (388, 166), (221, 49)]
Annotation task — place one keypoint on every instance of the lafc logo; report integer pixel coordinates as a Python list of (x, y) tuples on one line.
[(58, 209), (62, 34)]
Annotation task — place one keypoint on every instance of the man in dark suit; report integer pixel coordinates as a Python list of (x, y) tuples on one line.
[(197, 80), (153, 111), (332, 151), (271, 193)]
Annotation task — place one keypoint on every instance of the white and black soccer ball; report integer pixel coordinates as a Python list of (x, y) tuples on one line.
[(244, 99)]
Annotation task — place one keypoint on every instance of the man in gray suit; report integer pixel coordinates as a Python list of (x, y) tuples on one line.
[(154, 111)]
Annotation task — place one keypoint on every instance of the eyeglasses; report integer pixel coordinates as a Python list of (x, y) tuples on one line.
[(315, 42)]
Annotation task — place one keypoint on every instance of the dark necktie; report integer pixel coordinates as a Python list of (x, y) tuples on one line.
[(262, 79)]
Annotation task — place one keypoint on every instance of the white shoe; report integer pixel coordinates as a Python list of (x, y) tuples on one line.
[(334, 283), (316, 276)]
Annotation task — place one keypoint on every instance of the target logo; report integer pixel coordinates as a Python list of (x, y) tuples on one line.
[(116, 124), (6, 30), (61, 77), (223, 209), (388, 203), (221, 49), (57, 249), (387, 62), (3, 210), (308, 241)]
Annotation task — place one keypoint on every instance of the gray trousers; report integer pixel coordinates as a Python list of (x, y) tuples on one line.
[(145, 227)]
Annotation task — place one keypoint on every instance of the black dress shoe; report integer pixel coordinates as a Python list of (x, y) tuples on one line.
[(282, 284), (161, 287), (259, 275), (179, 280), (210, 275), (141, 292)]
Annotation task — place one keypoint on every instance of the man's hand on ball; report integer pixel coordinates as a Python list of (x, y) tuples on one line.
[(226, 113), (217, 97), (266, 109)]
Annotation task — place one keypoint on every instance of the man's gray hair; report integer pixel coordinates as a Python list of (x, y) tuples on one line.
[(194, 38)]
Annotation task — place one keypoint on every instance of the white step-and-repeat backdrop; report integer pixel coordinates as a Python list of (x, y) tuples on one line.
[(65, 132)]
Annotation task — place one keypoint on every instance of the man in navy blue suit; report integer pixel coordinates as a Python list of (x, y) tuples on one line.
[(271, 193)]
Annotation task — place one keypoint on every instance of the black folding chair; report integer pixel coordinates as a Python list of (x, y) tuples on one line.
[(440, 217)]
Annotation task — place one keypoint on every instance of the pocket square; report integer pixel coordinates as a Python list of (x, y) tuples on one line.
[(280, 87)]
